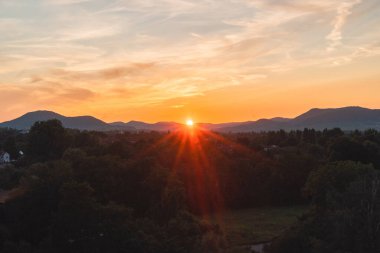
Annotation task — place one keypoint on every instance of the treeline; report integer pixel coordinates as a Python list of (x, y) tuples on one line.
[(344, 215), (77, 191)]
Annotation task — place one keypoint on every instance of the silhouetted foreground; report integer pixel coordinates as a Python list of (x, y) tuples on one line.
[(76, 191)]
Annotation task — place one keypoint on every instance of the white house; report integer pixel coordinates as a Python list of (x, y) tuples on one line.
[(5, 157)]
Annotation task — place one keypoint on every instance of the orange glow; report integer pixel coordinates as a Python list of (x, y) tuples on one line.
[(190, 123)]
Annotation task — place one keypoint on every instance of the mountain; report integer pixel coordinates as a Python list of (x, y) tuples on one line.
[(280, 119), (346, 118), (81, 122), (142, 126), (212, 127)]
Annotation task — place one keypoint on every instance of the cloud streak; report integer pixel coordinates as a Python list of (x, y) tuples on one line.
[(65, 2), (343, 11)]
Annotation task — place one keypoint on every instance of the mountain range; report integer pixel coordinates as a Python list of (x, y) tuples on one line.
[(346, 118)]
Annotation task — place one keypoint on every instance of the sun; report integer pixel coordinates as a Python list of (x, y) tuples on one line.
[(189, 123)]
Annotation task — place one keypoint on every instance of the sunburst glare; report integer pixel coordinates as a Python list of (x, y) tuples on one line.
[(189, 123)]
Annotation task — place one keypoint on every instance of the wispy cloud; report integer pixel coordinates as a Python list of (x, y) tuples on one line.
[(83, 33), (65, 2), (343, 11)]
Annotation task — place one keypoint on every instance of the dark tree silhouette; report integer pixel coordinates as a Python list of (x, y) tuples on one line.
[(47, 140)]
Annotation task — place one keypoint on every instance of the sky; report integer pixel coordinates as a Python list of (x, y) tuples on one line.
[(169, 60)]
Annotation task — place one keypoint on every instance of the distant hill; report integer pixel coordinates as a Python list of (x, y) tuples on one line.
[(142, 126), (346, 118), (81, 122), (212, 127)]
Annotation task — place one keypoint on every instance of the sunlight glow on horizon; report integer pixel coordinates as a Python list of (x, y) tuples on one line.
[(189, 123)]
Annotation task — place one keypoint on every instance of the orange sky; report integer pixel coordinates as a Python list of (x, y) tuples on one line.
[(212, 60)]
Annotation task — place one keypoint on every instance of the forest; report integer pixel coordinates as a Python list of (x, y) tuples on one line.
[(82, 191)]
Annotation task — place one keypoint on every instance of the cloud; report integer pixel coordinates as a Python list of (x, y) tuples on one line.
[(134, 53), (119, 72), (65, 2), (170, 7), (76, 94), (89, 32), (104, 74), (343, 11)]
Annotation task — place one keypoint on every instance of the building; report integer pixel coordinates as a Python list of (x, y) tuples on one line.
[(5, 157), (270, 148)]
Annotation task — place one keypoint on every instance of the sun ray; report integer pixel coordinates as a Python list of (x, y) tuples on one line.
[(195, 162)]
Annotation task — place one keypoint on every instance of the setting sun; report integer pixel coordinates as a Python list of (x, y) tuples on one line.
[(190, 123)]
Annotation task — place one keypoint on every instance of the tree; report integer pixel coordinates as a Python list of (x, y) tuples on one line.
[(345, 148), (47, 140), (345, 215)]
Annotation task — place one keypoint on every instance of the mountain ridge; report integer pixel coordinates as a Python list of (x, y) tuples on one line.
[(85, 122), (346, 118)]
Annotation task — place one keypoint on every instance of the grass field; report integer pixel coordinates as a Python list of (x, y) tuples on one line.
[(250, 226)]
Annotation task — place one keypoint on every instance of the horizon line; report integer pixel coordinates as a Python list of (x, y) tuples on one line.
[(171, 121)]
